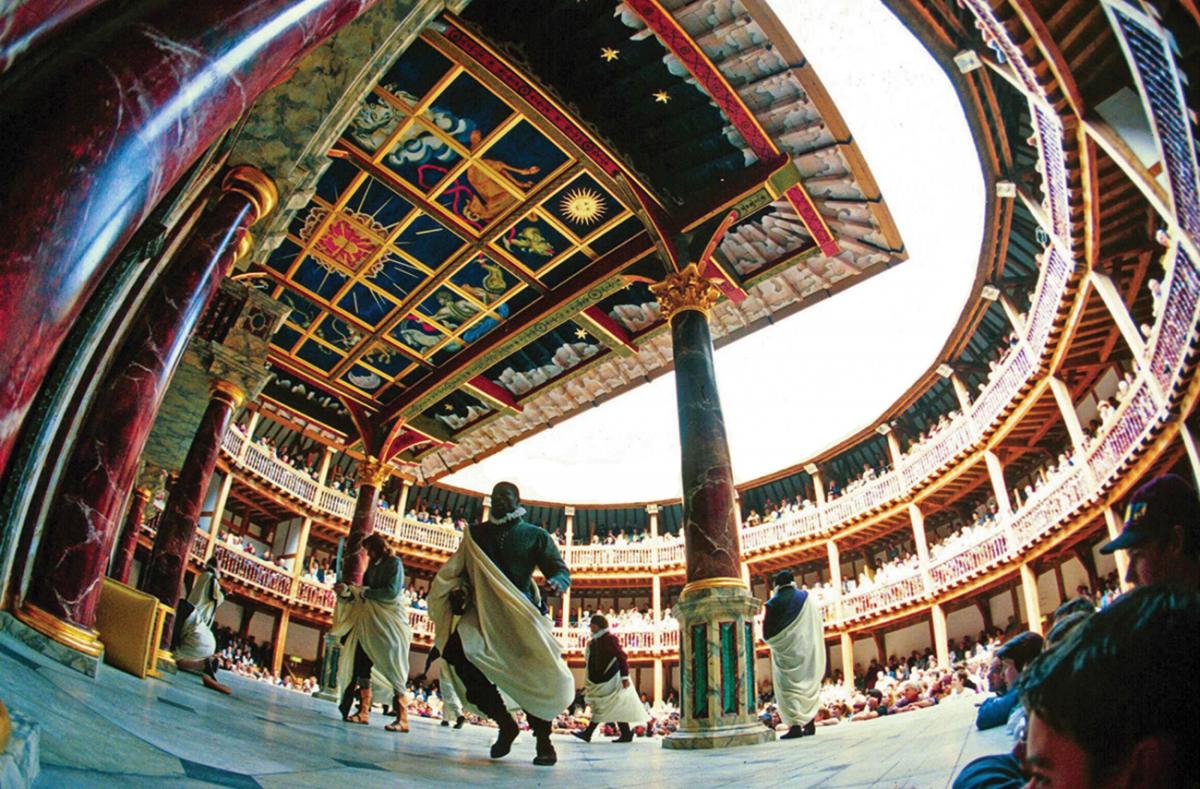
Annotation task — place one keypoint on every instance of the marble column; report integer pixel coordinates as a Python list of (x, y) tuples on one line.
[(164, 572), (709, 505), (122, 561), (137, 100), (82, 523), (371, 476), (715, 611)]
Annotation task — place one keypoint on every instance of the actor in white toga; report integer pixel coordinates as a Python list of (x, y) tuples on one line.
[(792, 629)]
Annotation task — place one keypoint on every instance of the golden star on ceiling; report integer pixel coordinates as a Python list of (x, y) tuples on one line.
[(609, 54), (449, 407), (581, 334), (661, 96)]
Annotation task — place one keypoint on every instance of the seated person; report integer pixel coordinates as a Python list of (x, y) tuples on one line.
[(1015, 654)]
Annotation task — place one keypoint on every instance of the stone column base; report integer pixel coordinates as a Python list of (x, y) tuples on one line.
[(84, 663), (716, 668)]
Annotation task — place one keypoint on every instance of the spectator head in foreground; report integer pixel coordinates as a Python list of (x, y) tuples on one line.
[(783, 578), (1161, 534), (1017, 652), (1080, 605), (1104, 706)]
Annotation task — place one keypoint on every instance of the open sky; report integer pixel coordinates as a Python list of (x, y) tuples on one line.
[(792, 389)]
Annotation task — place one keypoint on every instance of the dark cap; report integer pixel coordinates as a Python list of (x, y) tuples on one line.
[(1161, 503), (1021, 648), (784, 577)]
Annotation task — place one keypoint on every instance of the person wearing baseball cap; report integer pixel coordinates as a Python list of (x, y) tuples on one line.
[(1161, 534)]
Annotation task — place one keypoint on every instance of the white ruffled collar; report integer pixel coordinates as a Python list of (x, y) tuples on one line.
[(511, 517)]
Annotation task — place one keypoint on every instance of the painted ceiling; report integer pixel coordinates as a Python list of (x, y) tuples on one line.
[(490, 218)]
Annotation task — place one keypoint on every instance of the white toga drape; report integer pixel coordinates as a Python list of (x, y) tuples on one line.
[(798, 664), (503, 635), (611, 701), (381, 628)]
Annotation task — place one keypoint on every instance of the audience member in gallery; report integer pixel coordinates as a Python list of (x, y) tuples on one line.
[(608, 690), (1013, 657), (793, 630), (1161, 536)]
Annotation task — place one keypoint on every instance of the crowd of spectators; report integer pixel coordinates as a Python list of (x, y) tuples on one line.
[(240, 542)]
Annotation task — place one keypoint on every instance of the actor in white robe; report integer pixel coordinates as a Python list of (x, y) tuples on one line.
[(372, 617), (498, 644), (793, 630), (607, 689), (194, 644)]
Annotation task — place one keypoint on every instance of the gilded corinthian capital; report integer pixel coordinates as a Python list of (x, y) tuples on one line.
[(685, 290), (373, 473)]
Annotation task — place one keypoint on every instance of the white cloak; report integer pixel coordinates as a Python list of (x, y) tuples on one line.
[(610, 701), (503, 635), (381, 628), (196, 639), (798, 665), (451, 704)]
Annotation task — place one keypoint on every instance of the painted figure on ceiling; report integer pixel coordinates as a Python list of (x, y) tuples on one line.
[(490, 198)]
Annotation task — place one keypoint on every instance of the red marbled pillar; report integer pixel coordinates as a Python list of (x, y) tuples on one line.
[(122, 562), (82, 523), (28, 22), (163, 574), (709, 514), (354, 559), (94, 137)]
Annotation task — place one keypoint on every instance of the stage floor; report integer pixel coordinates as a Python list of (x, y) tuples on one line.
[(119, 731)]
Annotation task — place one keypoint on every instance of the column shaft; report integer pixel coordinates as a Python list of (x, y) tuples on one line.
[(354, 559), (164, 573), (1113, 525), (218, 515), (1029, 589), (280, 640), (658, 682), (917, 519), (1066, 408), (709, 510), (122, 561), (999, 486), (941, 644), (100, 473), (847, 649)]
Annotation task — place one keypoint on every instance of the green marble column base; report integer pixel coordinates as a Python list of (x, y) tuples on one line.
[(329, 667), (716, 678)]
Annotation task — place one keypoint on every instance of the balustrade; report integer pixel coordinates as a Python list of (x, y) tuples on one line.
[(252, 570)]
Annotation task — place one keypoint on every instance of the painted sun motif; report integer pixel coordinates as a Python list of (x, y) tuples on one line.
[(584, 206), (581, 334)]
